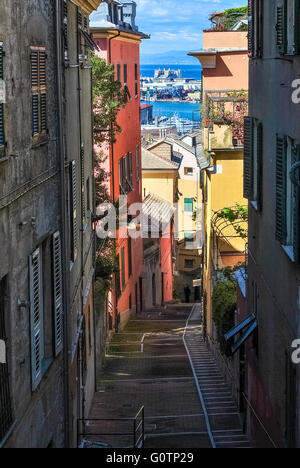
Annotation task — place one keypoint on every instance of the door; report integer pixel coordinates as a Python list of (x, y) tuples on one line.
[(141, 295), (162, 289)]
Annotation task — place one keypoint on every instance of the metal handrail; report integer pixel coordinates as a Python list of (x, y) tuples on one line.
[(138, 424)]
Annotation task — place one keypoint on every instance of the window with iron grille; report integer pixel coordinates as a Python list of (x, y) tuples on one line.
[(6, 414), (39, 91), (2, 134)]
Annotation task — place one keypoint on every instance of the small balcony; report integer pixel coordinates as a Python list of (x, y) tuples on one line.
[(223, 115)]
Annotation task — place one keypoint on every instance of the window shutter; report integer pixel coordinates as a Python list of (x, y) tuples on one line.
[(34, 68), (43, 112), (281, 189), (260, 144), (250, 28), (36, 317), (42, 68), (57, 288), (281, 28), (74, 211), (248, 158), (130, 168), (296, 212), (35, 114), (297, 27), (83, 200), (2, 136)]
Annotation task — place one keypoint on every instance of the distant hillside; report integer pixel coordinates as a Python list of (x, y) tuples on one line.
[(173, 57)]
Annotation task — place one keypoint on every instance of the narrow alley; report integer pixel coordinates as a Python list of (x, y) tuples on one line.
[(161, 363)]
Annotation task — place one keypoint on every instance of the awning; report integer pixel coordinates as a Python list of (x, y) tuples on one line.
[(89, 40), (249, 325)]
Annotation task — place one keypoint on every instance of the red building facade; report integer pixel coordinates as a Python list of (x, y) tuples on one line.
[(119, 44)]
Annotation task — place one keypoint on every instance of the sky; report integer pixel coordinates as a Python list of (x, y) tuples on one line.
[(176, 26)]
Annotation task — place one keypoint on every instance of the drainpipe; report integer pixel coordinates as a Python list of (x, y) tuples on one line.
[(63, 197), (113, 190)]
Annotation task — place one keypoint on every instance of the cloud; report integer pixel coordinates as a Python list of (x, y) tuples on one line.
[(177, 23)]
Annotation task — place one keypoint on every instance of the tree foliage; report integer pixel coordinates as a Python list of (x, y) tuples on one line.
[(108, 98), (224, 303), (233, 15), (238, 217)]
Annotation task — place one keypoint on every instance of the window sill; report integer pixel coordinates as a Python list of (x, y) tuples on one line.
[(289, 250), (3, 159), (38, 144)]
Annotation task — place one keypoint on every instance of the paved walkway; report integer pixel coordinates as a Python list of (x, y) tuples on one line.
[(148, 365)]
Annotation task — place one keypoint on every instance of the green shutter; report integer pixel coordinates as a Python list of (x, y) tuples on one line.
[(83, 198), (73, 214), (2, 135), (58, 293), (250, 28), (281, 180), (36, 317), (297, 27), (260, 144), (248, 158), (281, 27), (188, 205), (296, 211)]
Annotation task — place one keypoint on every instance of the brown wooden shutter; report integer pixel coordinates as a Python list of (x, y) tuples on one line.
[(248, 159), (281, 175), (250, 28)]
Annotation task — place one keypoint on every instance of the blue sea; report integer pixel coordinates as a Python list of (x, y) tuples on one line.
[(188, 71), (184, 110)]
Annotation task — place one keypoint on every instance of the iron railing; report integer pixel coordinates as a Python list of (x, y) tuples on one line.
[(135, 431)]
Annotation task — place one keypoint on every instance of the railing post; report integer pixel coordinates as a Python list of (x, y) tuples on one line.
[(134, 433), (143, 427)]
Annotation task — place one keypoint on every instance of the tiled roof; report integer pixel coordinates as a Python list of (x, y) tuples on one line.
[(152, 161)]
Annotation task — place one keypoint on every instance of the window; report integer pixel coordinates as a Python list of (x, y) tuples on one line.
[(6, 415), (2, 134), (123, 271), (88, 195), (188, 171), (129, 256), (138, 163), (287, 27), (136, 77), (39, 91), (119, 72), (118, 279), (189, 238), (126, 174), (188, 263), (287, 196), (253, 162), (73, 212), (189, 205), (255, 31), (125, 75)]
